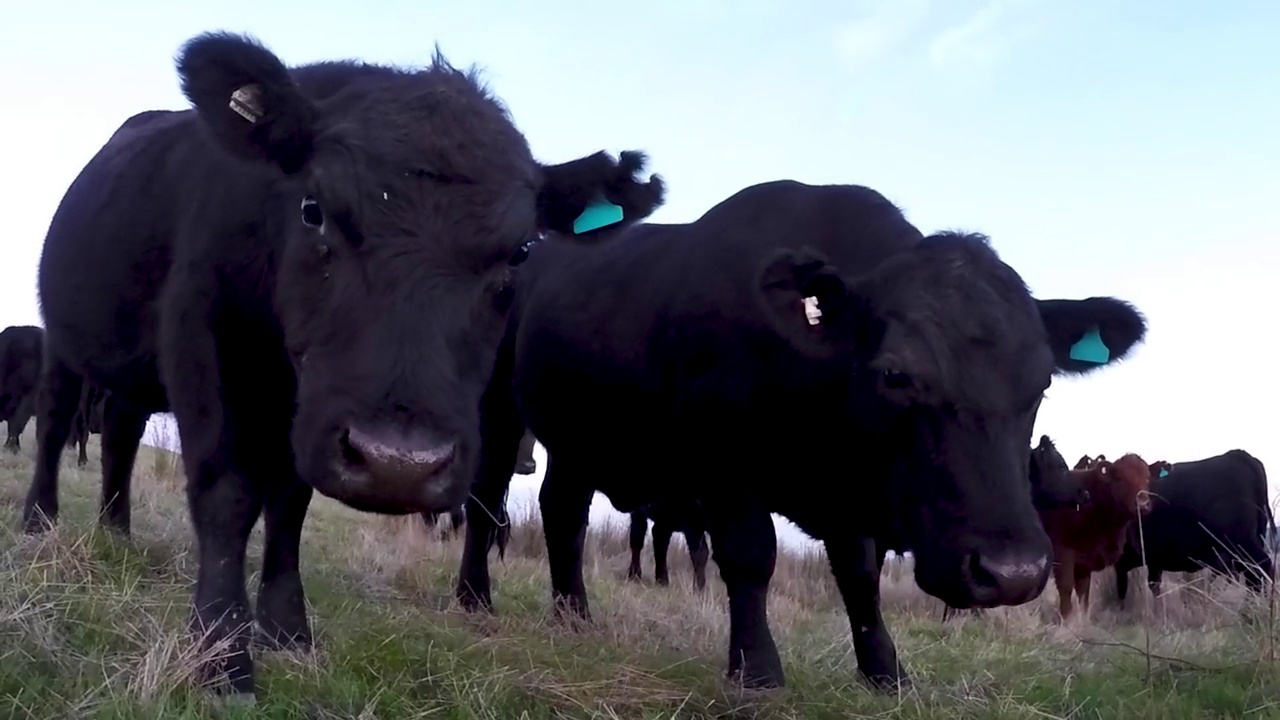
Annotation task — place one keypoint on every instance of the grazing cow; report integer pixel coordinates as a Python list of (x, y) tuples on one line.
[(1090, 538), (669, 518), (311, 269), (21, 352), (88, 419), (927, 361), (1052, 487), (1210, 513)]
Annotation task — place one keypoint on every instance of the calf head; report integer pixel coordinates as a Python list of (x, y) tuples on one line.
[(1122, 486), (402, 203), (948, 356), (1051, 484)]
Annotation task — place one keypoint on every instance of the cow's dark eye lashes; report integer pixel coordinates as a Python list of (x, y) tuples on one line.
[(437, 176)]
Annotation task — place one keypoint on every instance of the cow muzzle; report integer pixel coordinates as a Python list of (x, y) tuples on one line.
[(1004, 579), (396, 468)]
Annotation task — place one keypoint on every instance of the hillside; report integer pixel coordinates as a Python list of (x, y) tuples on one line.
[(90, 627)]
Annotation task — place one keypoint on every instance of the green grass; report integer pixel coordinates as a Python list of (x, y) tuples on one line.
[(92, 627)]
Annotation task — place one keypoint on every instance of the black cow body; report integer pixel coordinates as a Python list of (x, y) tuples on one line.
[(21, 351), (88, 420), (928, 365), (1212, 513), (669, 518), (315, 264)]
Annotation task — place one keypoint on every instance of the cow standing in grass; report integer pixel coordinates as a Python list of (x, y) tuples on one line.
[(1090, 538), (21, 352), (669, 518), (87, 420), (311, 269), (927, 362), (1213, 513)]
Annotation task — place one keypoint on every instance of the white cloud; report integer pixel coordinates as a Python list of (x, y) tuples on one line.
[(886, 24), (985, 37)]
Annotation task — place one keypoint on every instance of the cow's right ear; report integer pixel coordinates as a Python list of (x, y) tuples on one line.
[(247, 98), (807, 302)]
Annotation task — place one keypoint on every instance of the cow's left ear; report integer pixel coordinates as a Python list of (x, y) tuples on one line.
[(596, 195), (806, 301), (1088, 334)]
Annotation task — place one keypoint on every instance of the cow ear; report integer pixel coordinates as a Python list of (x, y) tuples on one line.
[(248, 100), (596, 195), (807, 302), (1088, 334)]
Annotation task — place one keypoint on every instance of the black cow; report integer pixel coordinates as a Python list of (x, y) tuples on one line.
[(88, 419), (669, 518), (928, 363), (21, 351), (1212, 513), (313, 263)]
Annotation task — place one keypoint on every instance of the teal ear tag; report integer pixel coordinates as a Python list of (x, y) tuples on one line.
[(1091, 349), (598, 214), (1164, 471)]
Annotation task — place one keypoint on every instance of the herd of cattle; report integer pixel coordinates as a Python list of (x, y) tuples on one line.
[(356, 279)]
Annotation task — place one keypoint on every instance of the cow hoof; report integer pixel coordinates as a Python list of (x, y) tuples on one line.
[(235, 700), (888, 682), (573, 613), (278, 640), (663, 581), (758, 679), (37, 524), (472, 601), (634, 576)]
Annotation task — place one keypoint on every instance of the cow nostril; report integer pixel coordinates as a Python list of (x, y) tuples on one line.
[(396, 454), (1005, 580)]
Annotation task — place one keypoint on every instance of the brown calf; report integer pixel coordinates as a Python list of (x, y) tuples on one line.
[(1090, 537)]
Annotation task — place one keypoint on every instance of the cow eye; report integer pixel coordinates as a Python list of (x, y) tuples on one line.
[(522, 253), (311, 213), (896, 380)]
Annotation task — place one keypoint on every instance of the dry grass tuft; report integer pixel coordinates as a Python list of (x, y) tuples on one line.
[(91, 626)]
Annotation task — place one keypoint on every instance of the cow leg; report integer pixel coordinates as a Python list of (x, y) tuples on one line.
[(58, 395), (1122, 581), (639, 527), (856, 565), (1083, 582), (122, 430), (695, 536), (661, 552), (1153, 581), (429, 519), (83, 459), (565, 502), (501, 429), (745, 549), (281, 608), (1064, 579)]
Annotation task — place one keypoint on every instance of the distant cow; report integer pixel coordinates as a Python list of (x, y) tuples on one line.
[(311, 269), (1089, 538), (458, 518), (1212, 513), (669, 518), (21, 352), (753, 353), (1085, 462), (88, 419)]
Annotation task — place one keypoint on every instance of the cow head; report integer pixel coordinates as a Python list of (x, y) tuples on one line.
[(1122, 487), (400, 206), (948, 356), (1051, 485)]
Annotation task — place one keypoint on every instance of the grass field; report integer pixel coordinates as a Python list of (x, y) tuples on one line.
[(91, 627)]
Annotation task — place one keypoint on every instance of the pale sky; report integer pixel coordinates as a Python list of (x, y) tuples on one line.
[(1126, 149)]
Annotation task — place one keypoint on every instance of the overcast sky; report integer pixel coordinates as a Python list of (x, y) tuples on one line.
[(1126, 149)]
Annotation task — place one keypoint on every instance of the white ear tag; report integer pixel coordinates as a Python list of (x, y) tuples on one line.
[(812, 312)]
